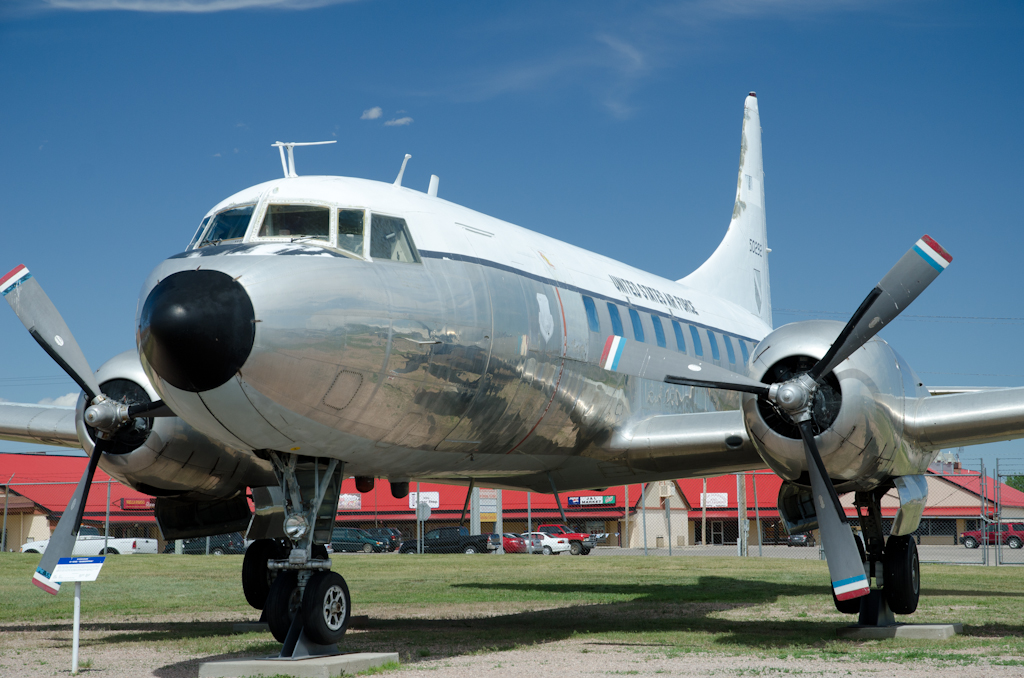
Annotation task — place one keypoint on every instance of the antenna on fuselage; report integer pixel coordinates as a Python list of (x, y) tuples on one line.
[(432, 189), (398, 181), (289, 165)]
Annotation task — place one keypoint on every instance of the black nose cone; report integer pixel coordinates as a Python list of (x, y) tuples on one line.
[(197, 329)]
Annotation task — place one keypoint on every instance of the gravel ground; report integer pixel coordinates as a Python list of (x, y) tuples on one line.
[(37, 650)]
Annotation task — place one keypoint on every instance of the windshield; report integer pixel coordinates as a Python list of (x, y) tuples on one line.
[(389, 239), (296, 221), (228, 225)]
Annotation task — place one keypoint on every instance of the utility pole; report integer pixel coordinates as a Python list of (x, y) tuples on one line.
[(7, 493)]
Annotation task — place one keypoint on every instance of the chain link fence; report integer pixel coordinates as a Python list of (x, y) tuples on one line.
[(973, 516)]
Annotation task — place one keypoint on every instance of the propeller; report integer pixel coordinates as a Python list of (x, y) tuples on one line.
[(106, 416), (795, 397)]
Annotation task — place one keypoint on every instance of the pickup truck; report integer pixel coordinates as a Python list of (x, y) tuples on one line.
[(90, 543), (580, 543), (453, 540), (1012, 535)]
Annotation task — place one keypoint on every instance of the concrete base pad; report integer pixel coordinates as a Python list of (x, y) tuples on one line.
[(313, 667), (918, 631), (354, 622)]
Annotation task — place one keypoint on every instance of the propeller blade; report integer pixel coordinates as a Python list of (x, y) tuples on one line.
[(661, 364), (157, 408), (47, 327), (62, 541), (845, 568), (901, 285)]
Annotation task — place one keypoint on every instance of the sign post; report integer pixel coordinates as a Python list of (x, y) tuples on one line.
[(77, 570)]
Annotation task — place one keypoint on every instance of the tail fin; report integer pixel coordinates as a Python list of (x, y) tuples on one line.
[(738, 270)]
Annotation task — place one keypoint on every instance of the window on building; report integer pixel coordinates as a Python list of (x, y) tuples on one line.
[(698, 350), (678, 330), (715, 353), (592, 320), (659, 331), (613, 313), (638, 328)]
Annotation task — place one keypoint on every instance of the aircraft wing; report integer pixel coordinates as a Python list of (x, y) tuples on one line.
[(43, 424), (966, 418)]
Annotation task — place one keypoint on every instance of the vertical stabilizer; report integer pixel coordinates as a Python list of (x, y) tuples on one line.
[(738, 270)]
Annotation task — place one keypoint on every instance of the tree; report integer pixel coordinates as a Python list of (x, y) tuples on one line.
[(1016, 482)]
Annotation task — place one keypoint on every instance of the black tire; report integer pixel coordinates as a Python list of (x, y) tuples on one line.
[(902, 569), (283, 603), (108, 552), (255, 575), (31, 551), (470, 550), (586, 552), (326, 608), (367, 548), (319, 552), (575, 548), (1014, 542), (971, 543), (546, 551), (217, 552)]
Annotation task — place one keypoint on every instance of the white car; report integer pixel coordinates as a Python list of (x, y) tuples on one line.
[(90, 543), (549, 544)]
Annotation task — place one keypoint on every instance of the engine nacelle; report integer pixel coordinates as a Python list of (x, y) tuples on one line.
[(164, 456), (858, 414)]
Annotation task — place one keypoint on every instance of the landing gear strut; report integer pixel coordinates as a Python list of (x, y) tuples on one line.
[(892, 562), (306, 606)]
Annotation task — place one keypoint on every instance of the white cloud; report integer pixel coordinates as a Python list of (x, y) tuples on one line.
[(371, 113), (184, 6), (398, 122), (69, 400)]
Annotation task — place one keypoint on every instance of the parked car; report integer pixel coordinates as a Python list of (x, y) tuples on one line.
[(800, 540), (549, 544), (389, 535), (1009, 534), (354, 539), (220, 544), (580, 543), (453, 540), (513, 543), (90, 542)]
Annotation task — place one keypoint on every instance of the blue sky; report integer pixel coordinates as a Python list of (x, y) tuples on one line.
[(614, 126)]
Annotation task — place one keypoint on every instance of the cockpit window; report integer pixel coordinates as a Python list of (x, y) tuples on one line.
[(350, 231), (199, 232), (389, 239), (297, 221), (228, 225)]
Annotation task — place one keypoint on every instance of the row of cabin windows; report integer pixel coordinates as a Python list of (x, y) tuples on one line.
[(659, 332)]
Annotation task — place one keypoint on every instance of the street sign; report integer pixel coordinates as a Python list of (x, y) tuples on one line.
[(77, 569), (423, 511)]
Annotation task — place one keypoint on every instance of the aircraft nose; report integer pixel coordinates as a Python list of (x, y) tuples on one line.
[(197, 329)]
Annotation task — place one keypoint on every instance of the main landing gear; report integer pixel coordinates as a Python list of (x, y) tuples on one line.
[(305, 604), (892, 562)]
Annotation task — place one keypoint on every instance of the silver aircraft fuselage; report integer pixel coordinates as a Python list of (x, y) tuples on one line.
[(476, 361)]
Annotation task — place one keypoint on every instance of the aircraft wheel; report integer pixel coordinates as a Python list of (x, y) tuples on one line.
[(283, 603), (971, 543), (902, 570), (255, 575), (575, 548), (326, 607)]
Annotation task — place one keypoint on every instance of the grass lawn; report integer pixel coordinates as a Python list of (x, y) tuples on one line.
[(431, 606)]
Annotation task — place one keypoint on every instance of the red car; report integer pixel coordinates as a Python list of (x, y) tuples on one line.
[(513, 543), (1012, 535)]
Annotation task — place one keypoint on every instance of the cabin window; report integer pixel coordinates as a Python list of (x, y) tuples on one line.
[(695, 335), (729, 350), (638, 328), (714, 346), (350, 231), (659, 331), (306, 222), (678, 330), (746, 353), (613, 313), (228, 225), (592, 320), (195, 238), (389, 239)]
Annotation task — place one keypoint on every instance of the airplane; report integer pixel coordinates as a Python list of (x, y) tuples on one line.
[(322, 327)]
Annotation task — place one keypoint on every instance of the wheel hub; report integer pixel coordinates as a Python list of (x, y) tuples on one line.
[(334, 608)]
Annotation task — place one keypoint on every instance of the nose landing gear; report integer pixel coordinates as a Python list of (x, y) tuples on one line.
[(306, 606)]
